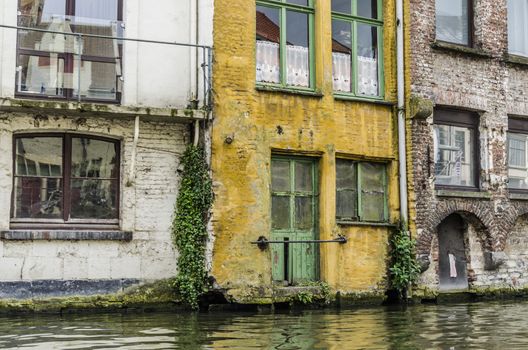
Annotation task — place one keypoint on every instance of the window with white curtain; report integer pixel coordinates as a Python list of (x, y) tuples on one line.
[(357, 29), (453, 22), (284, 43), (518, 27), (517, 154)]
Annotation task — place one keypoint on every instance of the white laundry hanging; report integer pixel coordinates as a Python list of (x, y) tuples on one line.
[(452, 266)]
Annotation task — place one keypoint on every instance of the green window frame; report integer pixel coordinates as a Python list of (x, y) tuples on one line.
[(353, 17), (284, 8), (361, 191)]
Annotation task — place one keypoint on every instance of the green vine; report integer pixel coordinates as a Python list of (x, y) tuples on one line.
[(189, 227), (404, 269)]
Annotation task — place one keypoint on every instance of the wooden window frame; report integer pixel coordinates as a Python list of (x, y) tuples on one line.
[(69, 59), (358, 188), (471, 26), (65, 222), (464, 119), (283, 6), (516, 126), (353, 19)]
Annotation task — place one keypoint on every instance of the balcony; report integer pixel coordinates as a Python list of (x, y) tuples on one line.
[(85, 64)]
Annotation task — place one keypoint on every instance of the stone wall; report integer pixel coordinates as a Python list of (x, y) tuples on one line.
[(482, 79), (146, 206)]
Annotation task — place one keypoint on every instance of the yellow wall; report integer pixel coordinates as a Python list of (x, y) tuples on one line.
[(315, 126)]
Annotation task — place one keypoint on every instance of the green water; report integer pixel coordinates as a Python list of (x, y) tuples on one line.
[(461, 326)]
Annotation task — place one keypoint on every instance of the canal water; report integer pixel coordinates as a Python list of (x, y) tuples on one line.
[(459, 326)]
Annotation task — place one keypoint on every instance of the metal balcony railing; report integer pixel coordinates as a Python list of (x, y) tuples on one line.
[(64, 62)]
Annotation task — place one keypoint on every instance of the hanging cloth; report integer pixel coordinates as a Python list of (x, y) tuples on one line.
[(452, 266)]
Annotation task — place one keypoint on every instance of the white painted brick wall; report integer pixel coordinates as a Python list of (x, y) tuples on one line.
[(147, 205)]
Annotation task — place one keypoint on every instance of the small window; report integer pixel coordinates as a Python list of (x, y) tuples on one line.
[(518, 27), (455, 148), (517, 154), (361, 191), (454, 21), (284, 32), (357, 32), (65, 179)]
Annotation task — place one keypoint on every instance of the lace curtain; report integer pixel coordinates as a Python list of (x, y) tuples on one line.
[(268, 64), (367, 74), (517, 27)]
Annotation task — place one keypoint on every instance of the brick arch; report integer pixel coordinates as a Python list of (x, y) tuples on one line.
[(507, 220), (476, 213)]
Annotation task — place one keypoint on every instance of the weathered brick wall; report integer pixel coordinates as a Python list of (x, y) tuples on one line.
[(147, 205), (481, 80)]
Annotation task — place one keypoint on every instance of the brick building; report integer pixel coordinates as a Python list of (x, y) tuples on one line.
[(468, 120)]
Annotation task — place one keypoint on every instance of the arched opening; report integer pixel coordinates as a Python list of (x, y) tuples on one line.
[(452, 259)]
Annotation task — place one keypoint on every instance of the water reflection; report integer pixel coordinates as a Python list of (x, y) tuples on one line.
[(462, 326)]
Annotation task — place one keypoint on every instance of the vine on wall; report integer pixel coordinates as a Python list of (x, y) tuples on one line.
[(189, 227), (404, 268)]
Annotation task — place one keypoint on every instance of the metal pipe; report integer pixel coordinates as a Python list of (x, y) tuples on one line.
[(263, 242), (79, 64), (402, 155)]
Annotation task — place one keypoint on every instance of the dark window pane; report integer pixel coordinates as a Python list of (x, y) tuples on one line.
[(372, 177), (345, 174), (298, 2), (346, 204), (297, 49), (341, 55), (40, 75), (280, 212), (268, 44), (372, 192), (38, 198), (344, 6), (38, 153), (367, 8), (98, 80), (367, 65), (452, 23), (303, 213), (303, 177), (94, 158), (35, 13), (94, 199), (280, 176), (372, 207)]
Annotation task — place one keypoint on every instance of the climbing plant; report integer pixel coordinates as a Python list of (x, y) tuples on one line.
[(189, 227), (404, 269)]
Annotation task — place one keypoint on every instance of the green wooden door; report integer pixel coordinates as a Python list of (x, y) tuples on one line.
[(294, 217)]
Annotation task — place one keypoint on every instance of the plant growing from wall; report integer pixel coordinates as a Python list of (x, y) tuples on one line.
[(189, 227), (404, 269)]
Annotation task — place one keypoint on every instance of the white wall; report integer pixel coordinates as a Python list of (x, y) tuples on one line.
[(155, 75)]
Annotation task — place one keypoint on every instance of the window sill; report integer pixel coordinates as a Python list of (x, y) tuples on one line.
[(363, 223), (353, 98), (523, 196), (63, 235), (515, 59), (288, 90), (470, 193), (441, 45)]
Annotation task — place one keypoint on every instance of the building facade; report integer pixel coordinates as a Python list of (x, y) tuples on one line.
[(304, 147), (93, 124), (468, 120)]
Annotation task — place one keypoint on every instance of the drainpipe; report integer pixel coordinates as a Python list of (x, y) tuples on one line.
[(401, 113)]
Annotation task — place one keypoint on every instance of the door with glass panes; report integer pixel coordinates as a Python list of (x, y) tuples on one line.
[(293, 218)]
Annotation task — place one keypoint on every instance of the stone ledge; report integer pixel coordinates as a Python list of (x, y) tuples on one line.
[(361, 223), (25, 235), (519, 196), (463, 194), (520, 60), (376, 101), (291, 91), (441, 45)]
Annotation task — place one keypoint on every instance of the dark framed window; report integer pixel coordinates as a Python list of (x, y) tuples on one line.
[(454, 21), (64, 66), (518, 27), (517, 154), (65, 179), (456, 148), (357, 47), (361, 191), (284, 43)]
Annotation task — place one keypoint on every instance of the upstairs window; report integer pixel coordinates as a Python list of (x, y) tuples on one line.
[(361, 191), (65, 179), (454, 21), (455, 148), (284, 40), (518, 27), (64, 66), (357, 42), (517, 154)]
